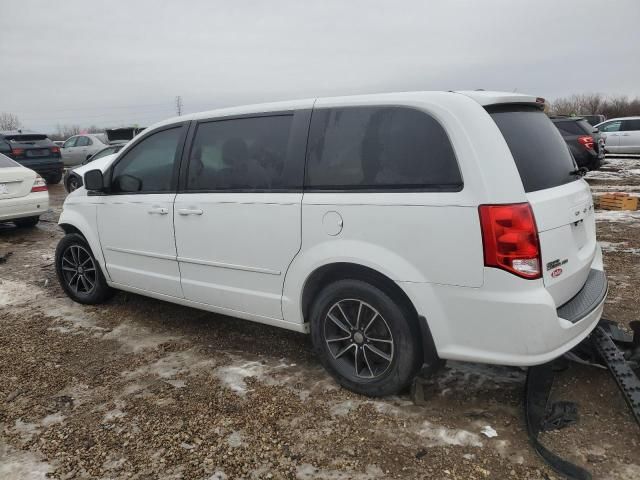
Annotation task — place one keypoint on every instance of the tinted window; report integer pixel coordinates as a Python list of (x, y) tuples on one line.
[(610, 127), (83, 142), (148, 166), (25, 137), (569, 127), (379, 148), (6, 162), (242, 154), (70, 143), (540, 153), (631, 125), (103, 153)]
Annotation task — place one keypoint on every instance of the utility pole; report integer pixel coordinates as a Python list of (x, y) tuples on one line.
[(179, 105)]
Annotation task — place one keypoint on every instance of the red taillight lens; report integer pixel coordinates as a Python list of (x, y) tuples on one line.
[(17, 152), (55, 149), (510, 239), (39, 185), (586, 141)]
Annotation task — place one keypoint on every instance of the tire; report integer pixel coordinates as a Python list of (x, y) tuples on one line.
[(72, 183), (79, 272), (382, 354), (53, 179), (26, 222)]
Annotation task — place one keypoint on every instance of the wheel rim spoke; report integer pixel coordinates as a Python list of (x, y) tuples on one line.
[(333, 340), (344, 315), (338, 323), (366, 361), (344, 350), (379, 352), (381, 340), (375, 315), (358, 316)]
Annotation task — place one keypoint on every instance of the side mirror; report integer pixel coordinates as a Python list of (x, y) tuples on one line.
[(94, 181)]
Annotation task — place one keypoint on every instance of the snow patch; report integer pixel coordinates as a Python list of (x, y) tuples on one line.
[(617, 216), (439, 436), (235, 440), (20, 465), (307, 471)]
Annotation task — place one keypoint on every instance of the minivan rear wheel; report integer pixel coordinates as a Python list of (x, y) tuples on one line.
[(365, 339), (79, 272)]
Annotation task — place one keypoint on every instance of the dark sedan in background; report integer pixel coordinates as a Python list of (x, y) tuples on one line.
[(585, 142), (35, 151)]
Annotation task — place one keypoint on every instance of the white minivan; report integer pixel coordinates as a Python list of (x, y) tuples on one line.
[(398, 229)]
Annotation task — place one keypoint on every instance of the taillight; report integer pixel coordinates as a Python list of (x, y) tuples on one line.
[(510, 239), (17, 152), (39, 185), (54, 149), (586, 141)]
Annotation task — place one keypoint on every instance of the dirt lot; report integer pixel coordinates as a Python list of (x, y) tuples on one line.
[(142, 389)]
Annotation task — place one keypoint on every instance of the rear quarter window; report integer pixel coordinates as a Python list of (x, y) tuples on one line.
[(379, 149), (541, 155)]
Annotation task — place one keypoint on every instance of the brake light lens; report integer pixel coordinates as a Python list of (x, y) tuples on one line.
[(586, 141), (39, 185), (17, 152), (55, 149), (510, 239)]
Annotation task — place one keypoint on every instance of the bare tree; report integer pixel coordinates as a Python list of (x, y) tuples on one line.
[(9, 121), (595, 103)]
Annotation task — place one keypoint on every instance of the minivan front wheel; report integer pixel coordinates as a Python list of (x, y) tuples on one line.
[(78, 271), (365, 339)]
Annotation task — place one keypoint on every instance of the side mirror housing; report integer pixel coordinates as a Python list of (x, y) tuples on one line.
[(94, 181)]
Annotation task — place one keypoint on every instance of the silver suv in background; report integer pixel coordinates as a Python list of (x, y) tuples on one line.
[(622, 135)]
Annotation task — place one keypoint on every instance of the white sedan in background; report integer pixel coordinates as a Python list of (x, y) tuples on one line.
[(23, 194)]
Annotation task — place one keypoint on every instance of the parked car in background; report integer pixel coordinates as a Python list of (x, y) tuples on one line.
[(122, 134), (396, 229), (594, 119), (73, 176), (59, 142), (622, 135), (35, 151), (23, 194), (80, 147), (584, 140)]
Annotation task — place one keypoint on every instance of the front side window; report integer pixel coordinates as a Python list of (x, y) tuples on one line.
[(241, 154), (149, 165), (70, 143), (610, 127), (374, 148)]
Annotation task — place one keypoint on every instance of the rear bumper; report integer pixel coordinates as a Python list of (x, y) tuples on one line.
[(32, 205), (507, 321)]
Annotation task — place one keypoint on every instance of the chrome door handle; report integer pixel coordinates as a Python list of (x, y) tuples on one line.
[(190, 211), (159, 210)]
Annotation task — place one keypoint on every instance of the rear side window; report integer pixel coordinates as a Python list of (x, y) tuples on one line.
[(610, 126), (540, 153), (631, 125), (243, 154), (6, 162), (574, 127), (379, 148)]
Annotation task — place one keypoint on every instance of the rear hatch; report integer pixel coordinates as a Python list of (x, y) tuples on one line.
[(15, 181), (560, 199), (32, 148)]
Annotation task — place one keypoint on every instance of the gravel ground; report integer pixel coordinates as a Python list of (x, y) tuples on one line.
[(143, 389)]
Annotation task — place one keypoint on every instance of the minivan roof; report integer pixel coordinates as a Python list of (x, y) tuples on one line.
[(482, 97)]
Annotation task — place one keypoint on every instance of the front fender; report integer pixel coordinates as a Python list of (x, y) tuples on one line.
[(83, 217)]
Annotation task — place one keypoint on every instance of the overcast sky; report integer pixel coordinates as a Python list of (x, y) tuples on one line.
[(122, 62)]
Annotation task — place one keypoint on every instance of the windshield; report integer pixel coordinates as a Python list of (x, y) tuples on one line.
[(539, 151)]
